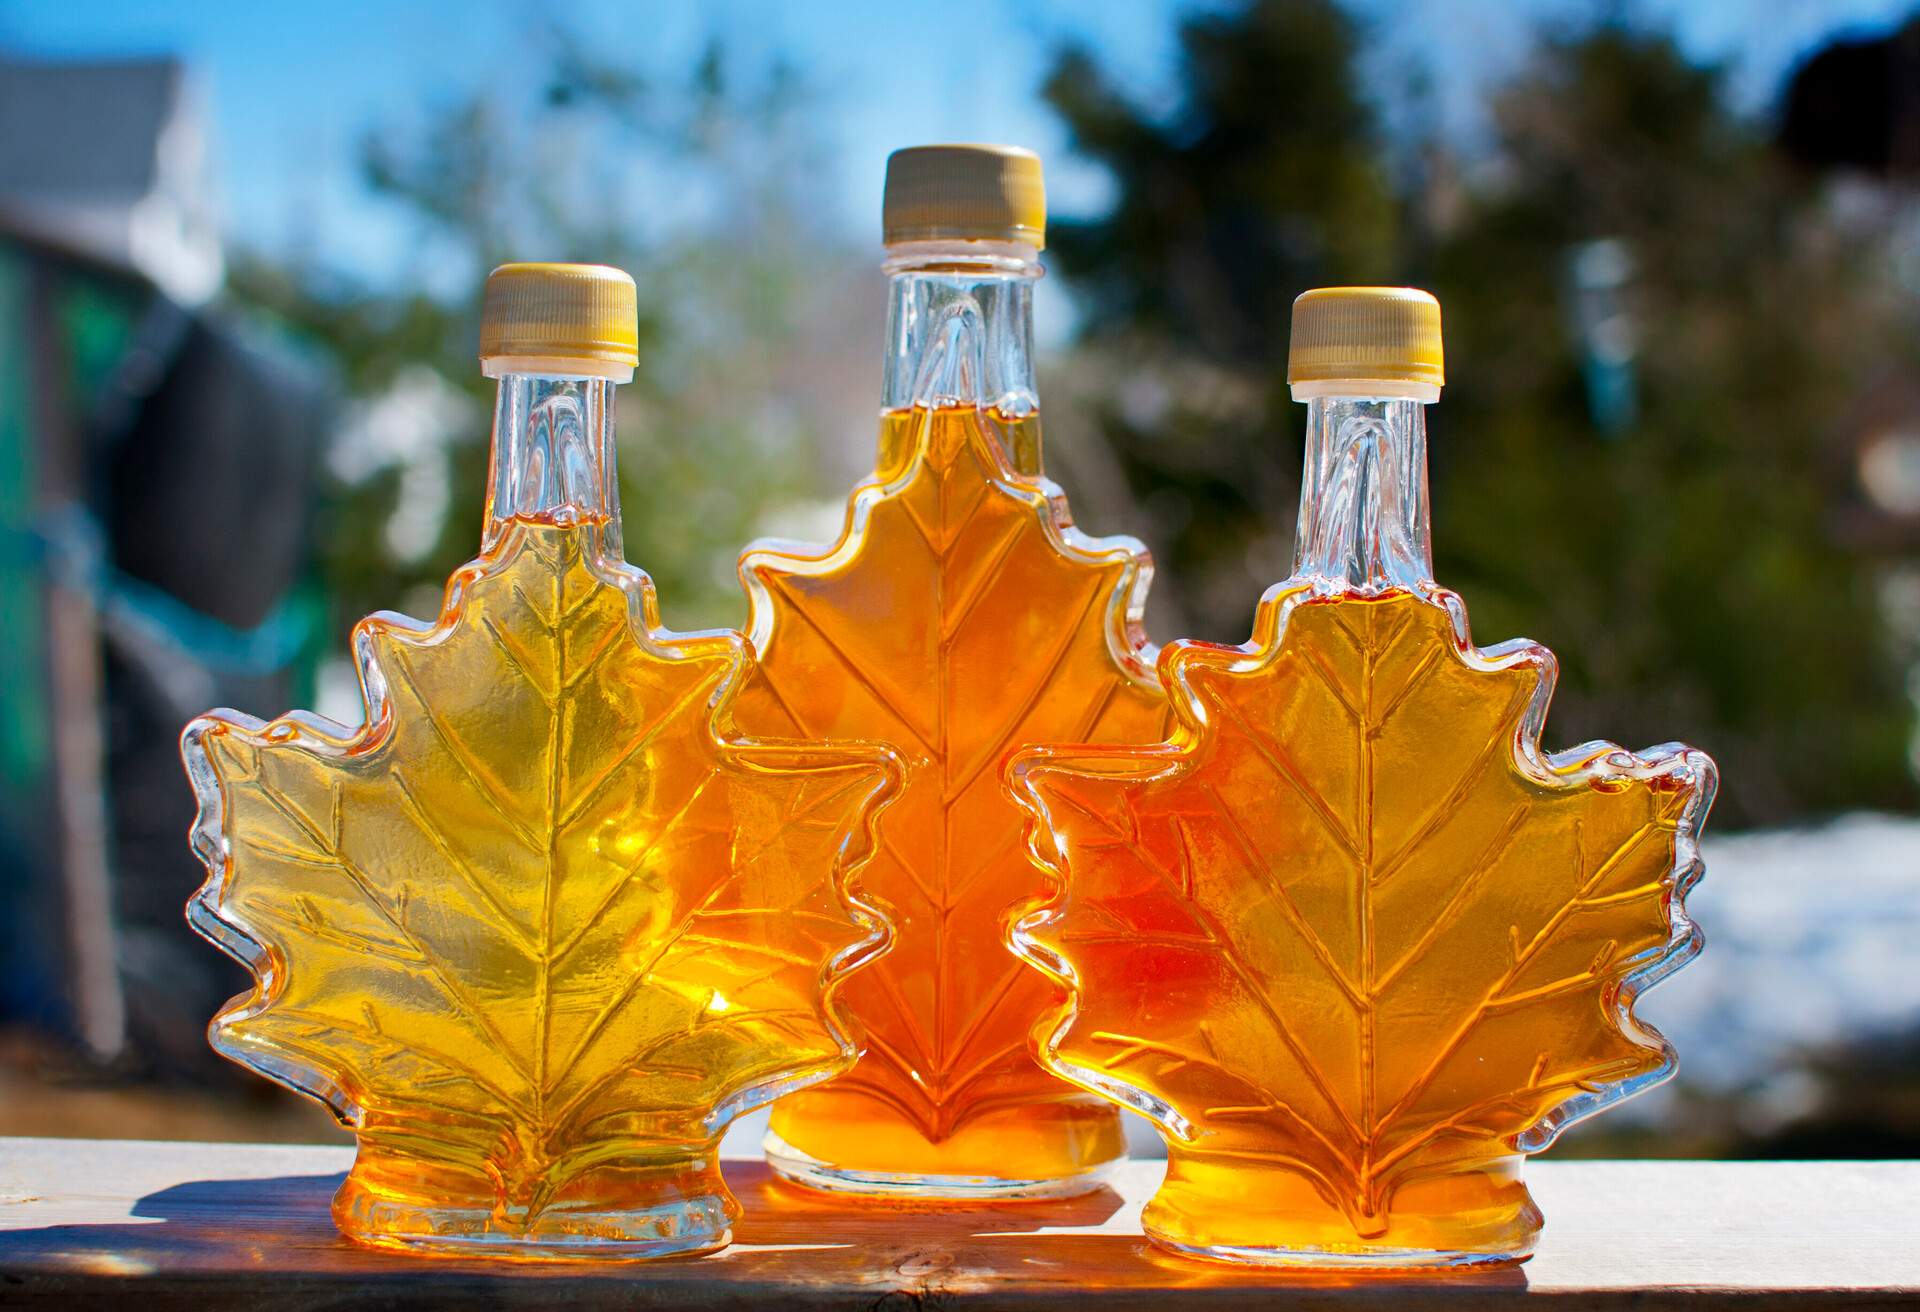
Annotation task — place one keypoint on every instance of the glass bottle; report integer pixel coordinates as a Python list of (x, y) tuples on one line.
[(543, 924), (1349, 936), (959, 615)]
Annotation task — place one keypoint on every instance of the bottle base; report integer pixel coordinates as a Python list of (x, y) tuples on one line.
[(1336, 1259), (791, 1164), (1253, 1213), (688, 1225)]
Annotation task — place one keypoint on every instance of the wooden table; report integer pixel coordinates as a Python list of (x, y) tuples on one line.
[(197, 1226)]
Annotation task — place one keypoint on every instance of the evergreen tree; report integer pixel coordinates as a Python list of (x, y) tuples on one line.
[(1642, 475), (1684, 565), (1267, 180)]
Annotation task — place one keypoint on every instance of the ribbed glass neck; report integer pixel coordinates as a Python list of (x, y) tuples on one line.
[(1364, 520), (553, 456), (960, 326)]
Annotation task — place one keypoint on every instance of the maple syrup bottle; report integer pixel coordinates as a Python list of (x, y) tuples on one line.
[(544, 923), (959, 615), (1348, 935)]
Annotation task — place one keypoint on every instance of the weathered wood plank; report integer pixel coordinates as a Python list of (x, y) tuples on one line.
[(198, 1226)]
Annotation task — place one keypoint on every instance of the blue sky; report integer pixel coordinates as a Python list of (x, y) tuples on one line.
[(291, 88)]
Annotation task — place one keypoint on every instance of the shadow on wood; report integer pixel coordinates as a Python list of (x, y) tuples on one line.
[(270, 1242), (193, 1227)]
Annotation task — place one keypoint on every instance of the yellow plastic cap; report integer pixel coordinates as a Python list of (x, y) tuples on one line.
[(560, 312), (1387, 333), (964, 193)]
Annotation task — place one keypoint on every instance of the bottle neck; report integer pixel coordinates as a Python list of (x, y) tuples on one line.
[(1364, 519), (960, 326), (553, 456)]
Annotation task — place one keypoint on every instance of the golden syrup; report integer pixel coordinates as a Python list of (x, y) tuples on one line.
[(959, 617), (537, 927), (1354, 940)]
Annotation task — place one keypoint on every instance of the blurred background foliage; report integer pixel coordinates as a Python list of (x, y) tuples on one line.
[(715, 423), (1673, 531)]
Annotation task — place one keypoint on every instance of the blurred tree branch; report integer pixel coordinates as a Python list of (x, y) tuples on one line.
[(704, 188)]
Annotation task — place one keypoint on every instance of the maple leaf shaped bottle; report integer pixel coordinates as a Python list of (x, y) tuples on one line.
[(959, 615), (544, 924), (1348, 936)]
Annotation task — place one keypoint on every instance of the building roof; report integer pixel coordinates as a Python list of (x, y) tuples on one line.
[(108, 160)]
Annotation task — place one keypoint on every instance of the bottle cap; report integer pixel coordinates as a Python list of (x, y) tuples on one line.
[(560, 313), (1387, 334), (964, 193)]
